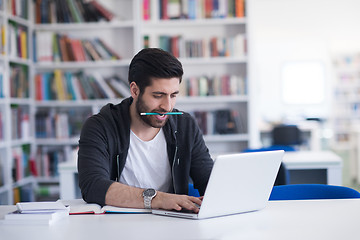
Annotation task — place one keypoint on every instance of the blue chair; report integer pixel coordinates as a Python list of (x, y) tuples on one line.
[(312, 191), (193, 191)]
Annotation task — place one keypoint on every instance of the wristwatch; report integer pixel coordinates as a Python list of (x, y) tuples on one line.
[(148, 195)]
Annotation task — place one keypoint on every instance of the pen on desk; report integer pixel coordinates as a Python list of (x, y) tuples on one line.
[(169, 113)]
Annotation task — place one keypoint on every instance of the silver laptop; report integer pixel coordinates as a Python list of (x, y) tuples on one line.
[(238, 183)]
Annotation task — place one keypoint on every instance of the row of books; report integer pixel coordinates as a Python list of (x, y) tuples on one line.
[(71, 11), (54, 47), (348, 110), (19, 83), (193, 9), (18, 40), (60, 85), (53, 126), (348, 78), (349, 93), (48, 158), (183, 47), (347, 60), (47, 192), (22, 164), (20, 127), (18, 8), (47, 162), (221, 121), (60, 125), (224, 85), (24, 194)]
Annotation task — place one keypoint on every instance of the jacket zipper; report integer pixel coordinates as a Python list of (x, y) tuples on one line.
[(173, 164)]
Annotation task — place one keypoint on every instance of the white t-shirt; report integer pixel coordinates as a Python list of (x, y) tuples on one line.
[(147, 164)]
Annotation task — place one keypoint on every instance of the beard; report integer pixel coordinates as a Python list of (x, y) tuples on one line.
[(149, 120)]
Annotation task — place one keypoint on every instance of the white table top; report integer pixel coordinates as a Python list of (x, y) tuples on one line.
[(311, 219), (310, 158)]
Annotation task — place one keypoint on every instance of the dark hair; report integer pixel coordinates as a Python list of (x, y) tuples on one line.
[(153, 63)]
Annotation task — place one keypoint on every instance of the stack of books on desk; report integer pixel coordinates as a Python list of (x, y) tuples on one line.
[(43, 213)]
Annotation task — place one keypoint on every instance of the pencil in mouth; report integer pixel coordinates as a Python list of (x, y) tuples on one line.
[(161, 114)]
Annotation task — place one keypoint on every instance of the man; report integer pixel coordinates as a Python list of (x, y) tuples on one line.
[(127, 159)]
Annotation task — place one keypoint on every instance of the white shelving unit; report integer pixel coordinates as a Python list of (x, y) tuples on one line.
[(203, 29), (346, 102), (15, 179), (346, 105), (125, 35)]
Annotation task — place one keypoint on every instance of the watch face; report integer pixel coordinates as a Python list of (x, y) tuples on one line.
[(149, 192)]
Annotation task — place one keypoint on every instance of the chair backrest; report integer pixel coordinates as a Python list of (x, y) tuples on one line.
[(193, 191), (312, 191), (286, 135)]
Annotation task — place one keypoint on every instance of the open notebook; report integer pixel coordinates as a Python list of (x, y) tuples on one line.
[(238, 183)]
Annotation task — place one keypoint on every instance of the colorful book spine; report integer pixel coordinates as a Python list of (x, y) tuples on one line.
[(146, 10)]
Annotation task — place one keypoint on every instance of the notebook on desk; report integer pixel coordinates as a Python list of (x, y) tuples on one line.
[(238, 183)]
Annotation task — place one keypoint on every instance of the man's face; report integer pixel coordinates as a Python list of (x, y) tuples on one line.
[(160, 97)]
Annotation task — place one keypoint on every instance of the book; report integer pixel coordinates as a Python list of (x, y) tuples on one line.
[(40, 207), (146, 10), (35, 218), (79, 206), (120, 85), (101, 81), (173, 9), (89, 48), (75, 11), (61, 90), (107, 48), (44, 48), (106, 13)]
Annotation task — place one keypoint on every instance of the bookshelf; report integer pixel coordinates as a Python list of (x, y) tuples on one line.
[(215, 63), (79, 81), (216, 77), (345, 117), (347, 102), (16, 103)]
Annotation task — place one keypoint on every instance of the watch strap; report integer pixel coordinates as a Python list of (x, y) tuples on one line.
[(147, 202)]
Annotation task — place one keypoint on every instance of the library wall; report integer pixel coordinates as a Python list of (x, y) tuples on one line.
[(313, 30)]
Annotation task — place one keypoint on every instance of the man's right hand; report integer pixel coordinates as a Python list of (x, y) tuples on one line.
[(176, 202)]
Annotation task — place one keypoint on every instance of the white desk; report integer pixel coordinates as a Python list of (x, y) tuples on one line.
[(315, 160), (320, 219)]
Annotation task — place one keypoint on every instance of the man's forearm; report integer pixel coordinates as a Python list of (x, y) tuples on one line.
[(121, 195)]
